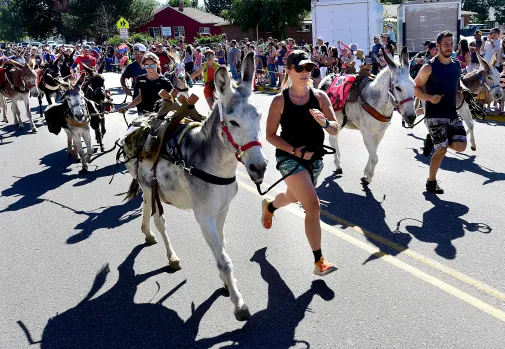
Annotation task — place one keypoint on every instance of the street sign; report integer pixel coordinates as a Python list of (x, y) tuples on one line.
[(123, 33), (123, 24), (166, 31)]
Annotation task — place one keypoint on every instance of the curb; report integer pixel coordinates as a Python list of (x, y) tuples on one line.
[(499, 118)]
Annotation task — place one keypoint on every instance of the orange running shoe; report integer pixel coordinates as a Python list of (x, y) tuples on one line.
[(323, 267), (266, 216)]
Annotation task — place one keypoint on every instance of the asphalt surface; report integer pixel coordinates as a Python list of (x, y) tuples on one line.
[(415, 270)]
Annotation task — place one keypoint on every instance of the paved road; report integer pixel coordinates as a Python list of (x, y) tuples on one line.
[(415, 270)]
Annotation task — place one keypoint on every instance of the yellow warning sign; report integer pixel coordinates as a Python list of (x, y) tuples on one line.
[(123, 24)]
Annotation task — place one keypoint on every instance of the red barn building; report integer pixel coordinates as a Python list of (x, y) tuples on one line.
[(182, 21)]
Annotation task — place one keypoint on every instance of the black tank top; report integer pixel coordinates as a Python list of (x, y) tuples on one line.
[(444, 80), (298, 126)]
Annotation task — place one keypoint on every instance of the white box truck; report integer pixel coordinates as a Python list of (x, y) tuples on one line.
[(422, 20), (352, 21)]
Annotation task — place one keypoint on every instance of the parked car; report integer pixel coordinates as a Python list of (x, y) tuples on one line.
[(472, 28), (24, 44), (36, 44)]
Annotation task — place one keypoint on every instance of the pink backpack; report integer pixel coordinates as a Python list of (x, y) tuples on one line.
[(339, 90)]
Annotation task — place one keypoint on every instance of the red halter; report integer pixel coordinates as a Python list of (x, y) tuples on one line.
[(240, 150)]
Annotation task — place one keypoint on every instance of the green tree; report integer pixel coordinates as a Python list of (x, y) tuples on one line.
[(11, 28), (175, 3), (479, 6), (499, 10), (40, 18), (217, 6), (270, 15)]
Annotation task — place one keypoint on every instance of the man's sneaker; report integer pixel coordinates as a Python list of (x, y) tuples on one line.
[(428, 145), (266, 216), (433, 187), (323, 267)]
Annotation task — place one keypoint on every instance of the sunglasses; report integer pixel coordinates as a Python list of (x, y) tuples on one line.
[(209, 56), (307, 68), (139, 53), (152, 66)]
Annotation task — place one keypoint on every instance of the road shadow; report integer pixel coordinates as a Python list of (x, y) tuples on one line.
[(115, 91), (490, 122), (442, 224), (461, 162), (114, 320), (103, 218), (365, 212), (275, 326), (32, 187)]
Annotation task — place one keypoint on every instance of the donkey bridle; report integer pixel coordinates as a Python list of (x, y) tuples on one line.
[(378, 116), (484, 83)]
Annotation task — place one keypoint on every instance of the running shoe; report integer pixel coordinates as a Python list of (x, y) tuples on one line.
[(266, 216), (433, 187), (323, 267)]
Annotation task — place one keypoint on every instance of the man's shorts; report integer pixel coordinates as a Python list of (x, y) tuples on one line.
[(445, 131), (287, 164)]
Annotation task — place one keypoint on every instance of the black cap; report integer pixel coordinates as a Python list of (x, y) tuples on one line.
[(298, 58), (431, 45), (427, 42)]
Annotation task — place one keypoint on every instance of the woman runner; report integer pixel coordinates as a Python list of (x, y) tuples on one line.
[(304, 114)]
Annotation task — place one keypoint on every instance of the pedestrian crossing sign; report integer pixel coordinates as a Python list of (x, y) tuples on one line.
[(123, 24)]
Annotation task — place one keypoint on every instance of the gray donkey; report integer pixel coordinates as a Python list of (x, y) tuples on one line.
[(371, 113), (211, 148), (488, 77)]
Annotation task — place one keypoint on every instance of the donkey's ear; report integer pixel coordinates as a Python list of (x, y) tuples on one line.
[(483, 62), (248, 73), (493, 60), (391, 64), (404, 58), (223, 82)]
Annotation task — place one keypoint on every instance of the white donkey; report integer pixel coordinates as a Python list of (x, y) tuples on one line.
[(233, 129), (371, 113)]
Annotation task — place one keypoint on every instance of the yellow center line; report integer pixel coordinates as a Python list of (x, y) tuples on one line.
[(487, 308), (481, 286), (483, 306)]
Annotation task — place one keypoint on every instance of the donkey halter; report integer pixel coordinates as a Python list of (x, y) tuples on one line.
[(240, 150), (395, 101), (484, 83)]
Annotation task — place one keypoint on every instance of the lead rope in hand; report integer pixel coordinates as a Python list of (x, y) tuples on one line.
[(325, 150)]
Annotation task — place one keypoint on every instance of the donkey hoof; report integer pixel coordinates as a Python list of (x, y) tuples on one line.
[(365, 181), (151, 240), (34, 130), (473, 147), (339, 171), (69, 155), (84, 170), (174, 263), (242, 314), (6, 121), (76, 160)]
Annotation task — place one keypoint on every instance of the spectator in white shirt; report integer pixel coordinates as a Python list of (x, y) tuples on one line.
[(491, 45)]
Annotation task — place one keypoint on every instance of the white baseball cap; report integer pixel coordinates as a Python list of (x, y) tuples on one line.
[(320, 38), (139, 47)]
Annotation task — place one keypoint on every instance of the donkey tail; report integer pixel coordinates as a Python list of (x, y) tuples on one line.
[(133, 190), (344, 121)]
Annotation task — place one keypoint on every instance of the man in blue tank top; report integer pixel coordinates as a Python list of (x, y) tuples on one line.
[(437, 84)]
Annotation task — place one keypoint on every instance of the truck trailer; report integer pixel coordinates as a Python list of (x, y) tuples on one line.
[(422, 20), (351, 21)]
